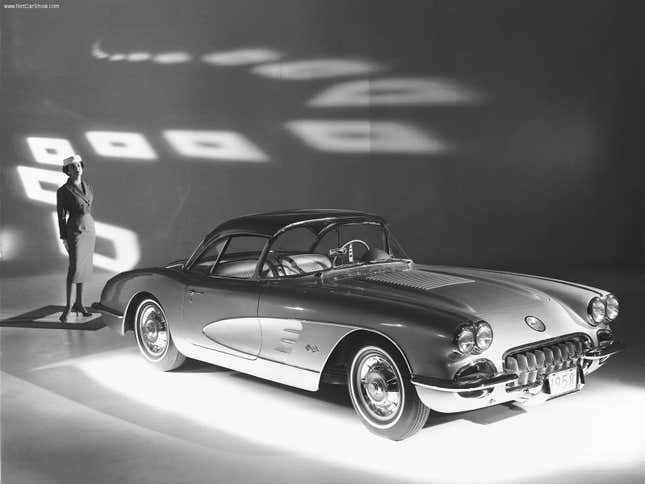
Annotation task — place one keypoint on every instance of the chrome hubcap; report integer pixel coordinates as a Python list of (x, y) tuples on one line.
[(153, 330), (378, 386)]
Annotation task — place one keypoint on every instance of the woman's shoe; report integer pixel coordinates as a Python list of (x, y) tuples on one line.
[(64, 314), (78, 308)]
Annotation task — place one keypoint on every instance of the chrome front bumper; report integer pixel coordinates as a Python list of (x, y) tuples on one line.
[(443, 395), (463, 386)]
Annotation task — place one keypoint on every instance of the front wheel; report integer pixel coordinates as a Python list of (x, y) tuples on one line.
[(382, 394), (153, 336)]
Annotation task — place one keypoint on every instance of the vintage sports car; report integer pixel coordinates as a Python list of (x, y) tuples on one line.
[(302, 297)]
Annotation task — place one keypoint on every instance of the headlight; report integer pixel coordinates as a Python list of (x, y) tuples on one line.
[(597, 310), (474, 337), (484, 335), (612, 306), (465, 340)]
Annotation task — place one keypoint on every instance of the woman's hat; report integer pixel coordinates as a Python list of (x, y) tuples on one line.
[(72, 159)]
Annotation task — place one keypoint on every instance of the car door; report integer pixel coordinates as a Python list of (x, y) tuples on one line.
[(297, 317), (221, 297), (295, 310)]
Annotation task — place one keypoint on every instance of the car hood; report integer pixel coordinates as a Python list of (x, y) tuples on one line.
[(471, 295)]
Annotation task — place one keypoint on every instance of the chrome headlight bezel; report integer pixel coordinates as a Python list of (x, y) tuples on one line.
[(465, 339), (473, 338), (603, 309), (612, 307), (597, 311), (483, 335)]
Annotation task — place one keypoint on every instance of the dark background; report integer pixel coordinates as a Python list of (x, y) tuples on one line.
[(545, 170)]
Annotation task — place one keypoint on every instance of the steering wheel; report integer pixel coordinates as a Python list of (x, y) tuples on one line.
[(348, 248)]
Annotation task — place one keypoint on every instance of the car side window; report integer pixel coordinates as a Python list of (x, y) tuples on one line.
[(206, 261), (240, 256)]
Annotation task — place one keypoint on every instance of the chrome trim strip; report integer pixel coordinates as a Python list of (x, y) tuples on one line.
[(456, 386), (604, 351), (368, 218), (259, 367)]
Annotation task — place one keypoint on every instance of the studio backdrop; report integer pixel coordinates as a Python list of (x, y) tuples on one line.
[(494, 134)]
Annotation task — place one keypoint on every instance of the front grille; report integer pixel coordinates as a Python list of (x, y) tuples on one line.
[(534, 363)]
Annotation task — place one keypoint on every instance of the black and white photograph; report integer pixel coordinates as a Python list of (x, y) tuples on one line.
[(322, 241)]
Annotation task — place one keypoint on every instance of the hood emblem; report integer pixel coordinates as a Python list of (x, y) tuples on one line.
[(535, 323)]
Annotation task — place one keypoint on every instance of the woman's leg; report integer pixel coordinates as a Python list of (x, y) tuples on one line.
[(68, 298), (68, 292), (78, 305), (79, 294)]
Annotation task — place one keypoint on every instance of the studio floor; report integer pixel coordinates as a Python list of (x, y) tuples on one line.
[(79, 405)]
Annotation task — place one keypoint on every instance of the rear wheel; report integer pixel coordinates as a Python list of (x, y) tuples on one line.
[(382, 395), (153, 336)]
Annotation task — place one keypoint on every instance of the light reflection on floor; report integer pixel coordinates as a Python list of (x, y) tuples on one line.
[(571, 432)]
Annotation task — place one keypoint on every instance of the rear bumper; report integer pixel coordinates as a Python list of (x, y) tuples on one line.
[(444, 395), (111, 318)]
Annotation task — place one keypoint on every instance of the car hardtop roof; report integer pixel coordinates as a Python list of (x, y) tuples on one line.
[(269, 223)]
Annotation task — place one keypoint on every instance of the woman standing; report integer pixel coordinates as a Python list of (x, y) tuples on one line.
[(76, 225)]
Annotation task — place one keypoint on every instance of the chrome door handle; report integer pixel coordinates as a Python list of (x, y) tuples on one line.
[(192, 292)]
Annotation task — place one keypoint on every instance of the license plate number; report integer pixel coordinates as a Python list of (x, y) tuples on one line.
[(564, 381)]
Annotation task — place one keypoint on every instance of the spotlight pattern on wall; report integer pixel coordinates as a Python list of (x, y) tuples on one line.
[(384, 136), (316, 69), (241, 57), (363, 136), (347, 136), (49, 151), (172, 57), (34, 181), (214, 145), (395, 92), (117, 144)]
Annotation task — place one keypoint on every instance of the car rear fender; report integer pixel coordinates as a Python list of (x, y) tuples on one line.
[(121, 296)]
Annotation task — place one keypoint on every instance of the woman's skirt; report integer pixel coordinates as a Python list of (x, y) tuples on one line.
[(81, 253)]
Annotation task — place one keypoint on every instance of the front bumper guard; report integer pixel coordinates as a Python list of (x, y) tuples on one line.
[(601, 352), (605, 350)]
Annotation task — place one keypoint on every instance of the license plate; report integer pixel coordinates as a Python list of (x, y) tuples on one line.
[(562, 382)]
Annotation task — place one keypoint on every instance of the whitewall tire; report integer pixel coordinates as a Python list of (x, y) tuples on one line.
[(382, 394)]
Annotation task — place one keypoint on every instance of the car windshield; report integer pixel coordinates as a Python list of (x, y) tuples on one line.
[(307, 248)]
